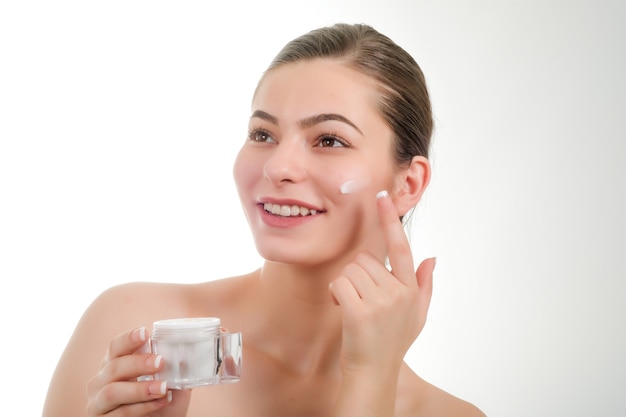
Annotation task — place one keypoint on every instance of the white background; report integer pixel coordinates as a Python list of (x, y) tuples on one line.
[(119, 122)]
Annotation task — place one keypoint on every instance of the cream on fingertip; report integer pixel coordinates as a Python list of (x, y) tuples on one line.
[(382, 194)]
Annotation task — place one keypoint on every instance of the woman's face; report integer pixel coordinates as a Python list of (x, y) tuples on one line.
[(314, 126)]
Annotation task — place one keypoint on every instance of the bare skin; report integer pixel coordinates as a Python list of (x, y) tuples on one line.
[(325, 324), (289, 369)]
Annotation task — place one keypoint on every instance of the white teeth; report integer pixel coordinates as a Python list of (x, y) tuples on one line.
[(288, 211)]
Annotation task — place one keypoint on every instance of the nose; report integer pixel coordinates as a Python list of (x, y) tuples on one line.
[(286, 163)]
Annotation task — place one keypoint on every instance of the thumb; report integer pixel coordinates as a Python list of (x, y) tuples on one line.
[(180, 403)]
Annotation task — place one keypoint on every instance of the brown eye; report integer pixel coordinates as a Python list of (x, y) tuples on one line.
[(259, 135), (329, 141)]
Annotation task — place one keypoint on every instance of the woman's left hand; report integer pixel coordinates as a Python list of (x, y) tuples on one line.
[(383, 310)]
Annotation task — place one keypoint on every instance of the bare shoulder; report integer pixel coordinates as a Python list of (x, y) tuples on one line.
[(417, 397), (116, 310), (141, 303), (133, 304), (122, 308)]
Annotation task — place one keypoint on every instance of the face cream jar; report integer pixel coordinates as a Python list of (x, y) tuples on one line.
[(196, 352)]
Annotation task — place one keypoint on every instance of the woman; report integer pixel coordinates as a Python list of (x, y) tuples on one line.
[(336, 154)]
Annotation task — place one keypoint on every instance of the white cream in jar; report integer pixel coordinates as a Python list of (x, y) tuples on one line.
[(196, 352)]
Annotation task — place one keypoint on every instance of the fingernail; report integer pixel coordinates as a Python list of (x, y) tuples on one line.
[(140, 334), (382, 194), (158, 388), (155, 361)]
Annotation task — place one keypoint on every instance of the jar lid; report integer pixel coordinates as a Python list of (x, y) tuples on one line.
[(187, 323)]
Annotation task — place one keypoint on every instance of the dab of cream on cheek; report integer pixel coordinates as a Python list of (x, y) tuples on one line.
[(352, 186)]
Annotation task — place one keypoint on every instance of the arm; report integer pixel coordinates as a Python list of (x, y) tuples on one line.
[(383, 313), (98, 370)]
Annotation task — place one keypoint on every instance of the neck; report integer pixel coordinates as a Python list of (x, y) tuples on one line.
[(298, 322)]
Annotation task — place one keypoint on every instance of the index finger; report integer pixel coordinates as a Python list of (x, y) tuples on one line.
[(127, 343), (398, 248)]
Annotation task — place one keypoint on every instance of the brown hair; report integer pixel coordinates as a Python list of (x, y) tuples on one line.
[(404, 103)]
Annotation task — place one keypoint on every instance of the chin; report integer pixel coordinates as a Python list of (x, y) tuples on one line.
[(290, 253)]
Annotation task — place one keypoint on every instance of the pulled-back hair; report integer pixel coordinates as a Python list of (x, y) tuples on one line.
[(404, 101)]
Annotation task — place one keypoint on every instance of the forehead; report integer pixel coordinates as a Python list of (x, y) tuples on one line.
[(317, 86)]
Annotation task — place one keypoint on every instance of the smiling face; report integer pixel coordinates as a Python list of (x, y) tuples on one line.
[(314, 126)]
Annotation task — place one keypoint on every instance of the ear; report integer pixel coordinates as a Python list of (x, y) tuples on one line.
[(411, 182)]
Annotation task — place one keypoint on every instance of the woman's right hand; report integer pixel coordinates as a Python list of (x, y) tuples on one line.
[(115, 391)]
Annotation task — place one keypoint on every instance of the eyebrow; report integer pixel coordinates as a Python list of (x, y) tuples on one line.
[(265, 116), (308, 121)]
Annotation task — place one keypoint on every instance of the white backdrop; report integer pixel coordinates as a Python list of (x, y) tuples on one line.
[(119, 122)]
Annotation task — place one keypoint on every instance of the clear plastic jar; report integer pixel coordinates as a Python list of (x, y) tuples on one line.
[(196, 352)]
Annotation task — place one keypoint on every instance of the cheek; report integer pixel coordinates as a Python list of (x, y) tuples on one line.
[(361, 179), (350, 179), (244, 170)]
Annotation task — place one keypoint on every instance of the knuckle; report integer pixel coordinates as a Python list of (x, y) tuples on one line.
[(343, 282), (106, 395), (401, 248), (395, 297), (110, 369), (107, 357), (350, 269), (362, 257), (111, 348), (92, 383)]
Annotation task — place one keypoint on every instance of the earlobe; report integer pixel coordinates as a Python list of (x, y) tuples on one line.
[(412, 183)]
